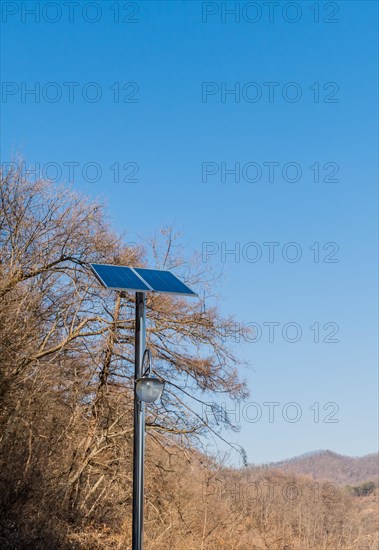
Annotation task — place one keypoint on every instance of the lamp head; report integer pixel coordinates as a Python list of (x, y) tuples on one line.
[(149, 388)]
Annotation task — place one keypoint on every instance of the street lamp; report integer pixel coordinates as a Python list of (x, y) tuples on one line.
[(147, 388)]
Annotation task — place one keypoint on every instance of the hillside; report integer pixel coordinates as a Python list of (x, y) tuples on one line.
[(332, 466), (66, 414)]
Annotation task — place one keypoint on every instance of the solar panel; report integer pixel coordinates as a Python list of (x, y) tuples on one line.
[(119, 277), (138, 279), (163, 281)]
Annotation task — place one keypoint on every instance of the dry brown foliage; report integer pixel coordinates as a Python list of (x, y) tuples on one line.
[(66, 381)]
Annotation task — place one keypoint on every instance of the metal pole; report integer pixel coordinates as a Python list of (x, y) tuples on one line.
[(139, 427)]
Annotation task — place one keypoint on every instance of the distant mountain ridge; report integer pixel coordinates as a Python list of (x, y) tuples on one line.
[(325, 464)]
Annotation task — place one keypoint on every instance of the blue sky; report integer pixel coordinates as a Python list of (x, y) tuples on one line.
[(177, 61)]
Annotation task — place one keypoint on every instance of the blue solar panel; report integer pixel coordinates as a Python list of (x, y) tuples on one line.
[(119, 277), (139, 279), (163, 281)]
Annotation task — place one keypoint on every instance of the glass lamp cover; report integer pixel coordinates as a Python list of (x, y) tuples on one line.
[(149, 389)]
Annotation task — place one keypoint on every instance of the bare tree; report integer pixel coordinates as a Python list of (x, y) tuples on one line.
[(67, 345)]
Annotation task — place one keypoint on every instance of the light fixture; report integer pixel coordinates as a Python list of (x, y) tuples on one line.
[(148, 388)]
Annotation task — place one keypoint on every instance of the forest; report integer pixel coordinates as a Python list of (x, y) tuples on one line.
[(66, 398)]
